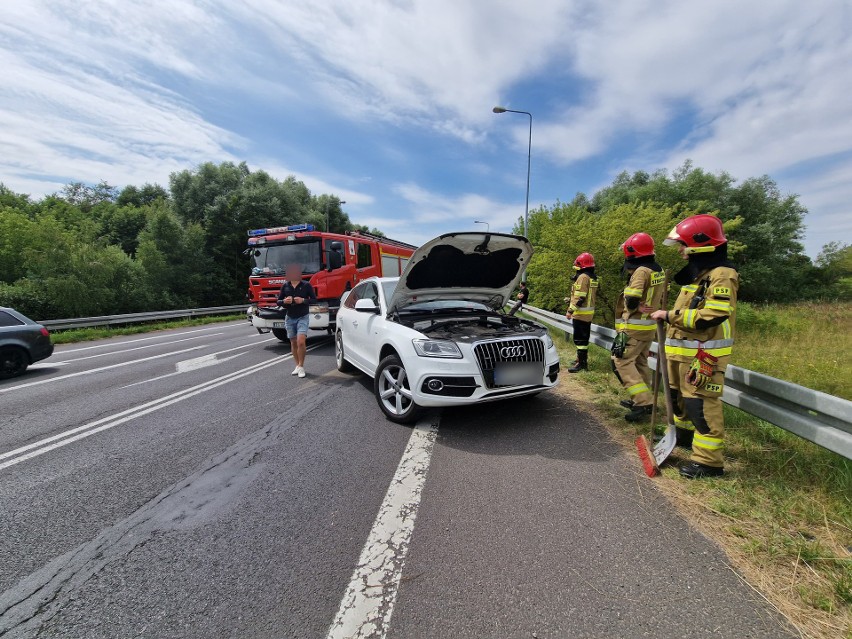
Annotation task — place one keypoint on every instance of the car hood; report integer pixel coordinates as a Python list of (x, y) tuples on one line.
[(474, 267)]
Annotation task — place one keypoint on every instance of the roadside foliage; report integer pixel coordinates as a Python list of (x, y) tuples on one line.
[(97, 250)]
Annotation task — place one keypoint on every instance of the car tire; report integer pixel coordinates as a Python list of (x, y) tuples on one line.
[(339, 357), (13, 362), (393, 391), (281, 334)]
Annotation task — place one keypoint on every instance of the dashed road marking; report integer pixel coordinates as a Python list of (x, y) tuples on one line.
[(367, 606), (47, 444)]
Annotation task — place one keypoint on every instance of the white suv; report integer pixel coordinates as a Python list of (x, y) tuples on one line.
[(437, 335)]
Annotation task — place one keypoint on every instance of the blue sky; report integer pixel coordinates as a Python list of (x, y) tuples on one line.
[(388, 103)]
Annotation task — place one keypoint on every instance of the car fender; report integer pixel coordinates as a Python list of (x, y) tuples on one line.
[(15, 342)]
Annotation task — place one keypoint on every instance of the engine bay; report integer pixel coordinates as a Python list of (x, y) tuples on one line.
[(484, 325)]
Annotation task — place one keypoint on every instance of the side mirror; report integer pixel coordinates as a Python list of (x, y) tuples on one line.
[(366, 306), (336, 246)]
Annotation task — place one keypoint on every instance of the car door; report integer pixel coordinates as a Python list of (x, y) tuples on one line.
[(361, 327)]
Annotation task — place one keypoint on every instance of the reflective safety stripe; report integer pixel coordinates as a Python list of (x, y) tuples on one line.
[(689, 347), (581, 293), (726, 329), (641, 387), (689, 318), (620, 325), (683, 422), (690, 288), (718, 306), (582, 347), (632, 292), (642, 322), (710, 443)]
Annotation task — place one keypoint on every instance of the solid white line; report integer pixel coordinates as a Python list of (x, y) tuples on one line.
[(81, 432), (102, 368), (137, 348), (367, 606), (62, 351)]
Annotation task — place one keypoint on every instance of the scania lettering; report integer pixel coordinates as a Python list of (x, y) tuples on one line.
[(332, 262)]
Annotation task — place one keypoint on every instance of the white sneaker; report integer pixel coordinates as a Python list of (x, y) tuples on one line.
[(301, 371), (296, 370)]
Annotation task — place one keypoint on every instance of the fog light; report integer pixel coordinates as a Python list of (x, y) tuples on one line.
[(435, 385)]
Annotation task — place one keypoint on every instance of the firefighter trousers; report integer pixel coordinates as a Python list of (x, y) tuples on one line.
[(633, 372), (700, 410)]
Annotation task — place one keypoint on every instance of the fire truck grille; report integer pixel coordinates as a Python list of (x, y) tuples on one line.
[(489, 354)]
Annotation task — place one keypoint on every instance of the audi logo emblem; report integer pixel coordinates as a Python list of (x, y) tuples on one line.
[(513, 351)]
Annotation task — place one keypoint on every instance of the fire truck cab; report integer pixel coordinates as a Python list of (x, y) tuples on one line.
[(332, 262)]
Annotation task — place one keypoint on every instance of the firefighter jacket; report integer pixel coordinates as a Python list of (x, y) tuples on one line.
[(703, 317), (646, 286), (583, 294)]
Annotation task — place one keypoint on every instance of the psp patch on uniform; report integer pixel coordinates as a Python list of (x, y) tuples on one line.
[(713, 388), (721, 291)]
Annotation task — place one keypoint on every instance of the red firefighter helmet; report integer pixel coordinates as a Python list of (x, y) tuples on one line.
[(638, 245), (699, 233), (584, 260)]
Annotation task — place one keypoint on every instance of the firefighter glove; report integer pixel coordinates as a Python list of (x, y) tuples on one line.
[(619, 344), (701, 370)]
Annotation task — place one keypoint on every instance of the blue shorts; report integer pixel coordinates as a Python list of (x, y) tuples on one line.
[(297, 326)]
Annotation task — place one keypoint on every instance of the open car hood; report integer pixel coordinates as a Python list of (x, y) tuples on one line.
[(474, 267)]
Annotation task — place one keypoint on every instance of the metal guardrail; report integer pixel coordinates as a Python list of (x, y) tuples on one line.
[(132, 318), (812, 415)]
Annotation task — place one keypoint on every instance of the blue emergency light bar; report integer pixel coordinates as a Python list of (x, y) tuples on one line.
[(281, 229)]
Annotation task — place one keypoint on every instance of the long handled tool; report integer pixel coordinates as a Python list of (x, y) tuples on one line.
[(651, 459)]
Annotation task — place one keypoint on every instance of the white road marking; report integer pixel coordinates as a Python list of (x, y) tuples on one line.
[(195, 363), (137, 348), (367, 606), (218, 327), (50, 380), (81, 432)]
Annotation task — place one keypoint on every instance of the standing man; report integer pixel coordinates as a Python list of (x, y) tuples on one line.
[(297, 295), (700, 339), (581, 308), (642, 296), (523, 296)]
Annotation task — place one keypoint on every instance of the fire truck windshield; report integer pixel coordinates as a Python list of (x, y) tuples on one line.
[(272, 260)]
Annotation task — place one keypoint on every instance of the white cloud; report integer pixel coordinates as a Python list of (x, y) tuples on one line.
[(440, 63), (428, 208)]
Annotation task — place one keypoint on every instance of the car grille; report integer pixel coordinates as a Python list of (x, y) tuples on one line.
[(489, 354)]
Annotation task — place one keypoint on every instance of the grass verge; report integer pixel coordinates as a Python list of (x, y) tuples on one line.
[(88, 334), (782, 513)]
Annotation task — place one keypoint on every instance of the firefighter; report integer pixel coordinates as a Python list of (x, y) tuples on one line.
[(700, 339), (581, 308), (636, 330)]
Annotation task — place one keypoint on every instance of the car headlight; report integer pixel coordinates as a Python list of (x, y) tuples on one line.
[(436, 348), (319, 307), (548, 341)]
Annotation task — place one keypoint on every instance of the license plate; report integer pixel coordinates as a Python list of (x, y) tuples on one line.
[(517, 374), (279, 325)]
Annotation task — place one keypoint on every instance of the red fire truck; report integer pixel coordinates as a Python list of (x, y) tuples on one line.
[(333, 263)]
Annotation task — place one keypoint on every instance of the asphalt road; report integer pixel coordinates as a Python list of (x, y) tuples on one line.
[(184, 484)]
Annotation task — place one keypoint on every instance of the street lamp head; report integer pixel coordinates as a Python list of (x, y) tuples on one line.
[(499, 109)]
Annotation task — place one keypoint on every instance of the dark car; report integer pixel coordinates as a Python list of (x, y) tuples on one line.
[(22, 342)]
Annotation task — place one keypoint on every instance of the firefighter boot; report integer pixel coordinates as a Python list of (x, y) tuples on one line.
[(627, 403), (638, 414), (694, 470), (582, 363)]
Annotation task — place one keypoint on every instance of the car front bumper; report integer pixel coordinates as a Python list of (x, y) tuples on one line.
[(461, 382)]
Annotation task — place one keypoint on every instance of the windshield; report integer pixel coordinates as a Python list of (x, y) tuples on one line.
[(273, 260)]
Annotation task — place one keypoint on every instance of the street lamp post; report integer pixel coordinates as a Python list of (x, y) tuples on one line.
[(499, 109), (327, 222), (487, 225)]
